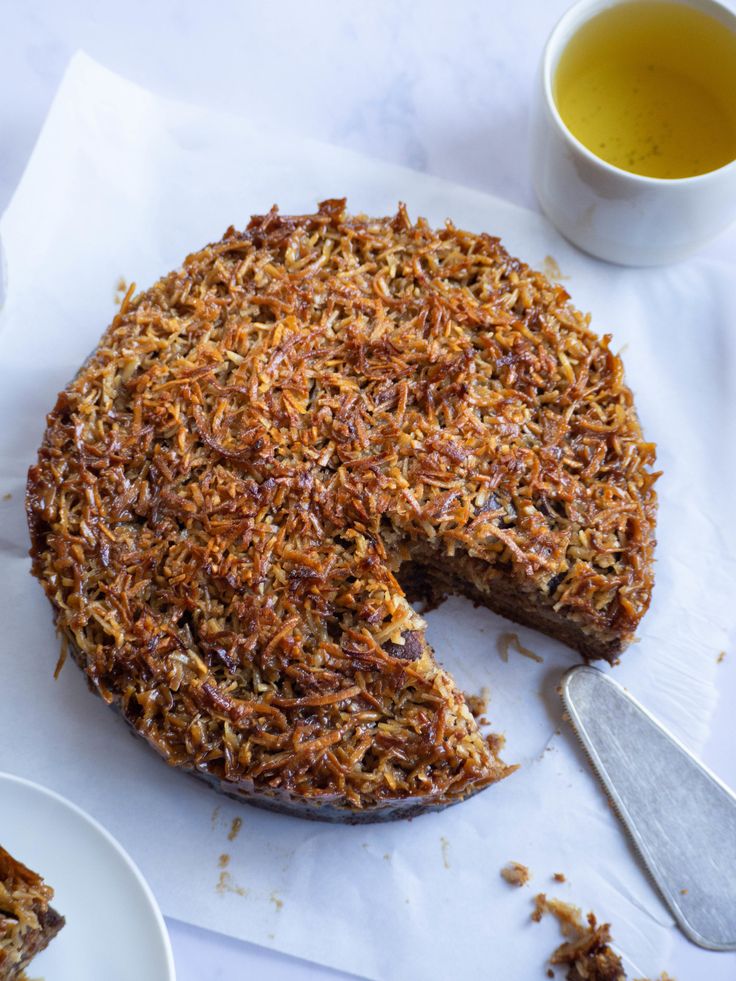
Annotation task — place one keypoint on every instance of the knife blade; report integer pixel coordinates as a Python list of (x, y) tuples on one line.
[(680, 816)]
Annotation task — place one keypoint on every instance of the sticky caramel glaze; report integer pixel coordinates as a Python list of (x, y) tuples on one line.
[(227, 491)]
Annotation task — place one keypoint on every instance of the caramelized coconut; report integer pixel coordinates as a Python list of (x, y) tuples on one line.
[(227, 492)]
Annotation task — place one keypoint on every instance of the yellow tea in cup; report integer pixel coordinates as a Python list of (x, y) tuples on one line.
[(650, 87)]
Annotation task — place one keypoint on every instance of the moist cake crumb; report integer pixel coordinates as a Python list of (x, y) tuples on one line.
[(478, 704), (516, 874), (586, 952), (508, 641)]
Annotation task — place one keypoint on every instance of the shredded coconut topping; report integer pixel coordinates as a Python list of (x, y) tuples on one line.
[(227, 491)]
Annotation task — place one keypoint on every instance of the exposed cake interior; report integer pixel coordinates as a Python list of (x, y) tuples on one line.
[(272, 438)]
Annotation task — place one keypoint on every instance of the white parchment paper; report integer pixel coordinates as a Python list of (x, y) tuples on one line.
[(123, 183)]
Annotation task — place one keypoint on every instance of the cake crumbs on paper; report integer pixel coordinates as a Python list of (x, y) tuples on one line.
[(226, 884), (516, 874), (721, 657), (509, 640), (551, 269), (8, 496), (445, 845), (215, 815), (559, 877), (223, 861), (235, 827), (478, 704), (585, 952), (496, 741), (121, 288), (278, 903)]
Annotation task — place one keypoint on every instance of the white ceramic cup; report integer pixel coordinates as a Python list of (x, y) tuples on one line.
[(611, 213)]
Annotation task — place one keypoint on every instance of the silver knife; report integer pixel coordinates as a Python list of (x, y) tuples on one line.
[(681, 817)]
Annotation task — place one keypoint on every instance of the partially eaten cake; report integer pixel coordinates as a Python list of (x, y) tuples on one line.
[(28, 923), (275, 442)]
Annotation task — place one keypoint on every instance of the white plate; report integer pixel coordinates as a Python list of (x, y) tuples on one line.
[(114, 928)]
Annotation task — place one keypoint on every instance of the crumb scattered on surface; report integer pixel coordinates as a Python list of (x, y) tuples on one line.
[(386, 857), (226, 883), (215, 815), (121, 288), (278, 903), (559, 877), (721, 657), (445, 852), (509, 641), (235, 829), (585, 952), (664, 976), (478, 704), (223, 861), (496, 741), (551, 269), (7, 497), (516, 874), (683, 892)]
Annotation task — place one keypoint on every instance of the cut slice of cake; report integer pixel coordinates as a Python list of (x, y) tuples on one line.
[(274, 443), (28, 923)]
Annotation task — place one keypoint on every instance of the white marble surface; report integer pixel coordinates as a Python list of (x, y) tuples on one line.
[(441, 87)]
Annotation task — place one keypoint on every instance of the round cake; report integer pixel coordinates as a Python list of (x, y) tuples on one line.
[(277, 446)]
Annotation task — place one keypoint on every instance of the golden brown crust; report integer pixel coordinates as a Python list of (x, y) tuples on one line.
[(227, 491)]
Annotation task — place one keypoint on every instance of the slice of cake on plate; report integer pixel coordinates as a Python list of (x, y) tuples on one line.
[(28, 923)]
